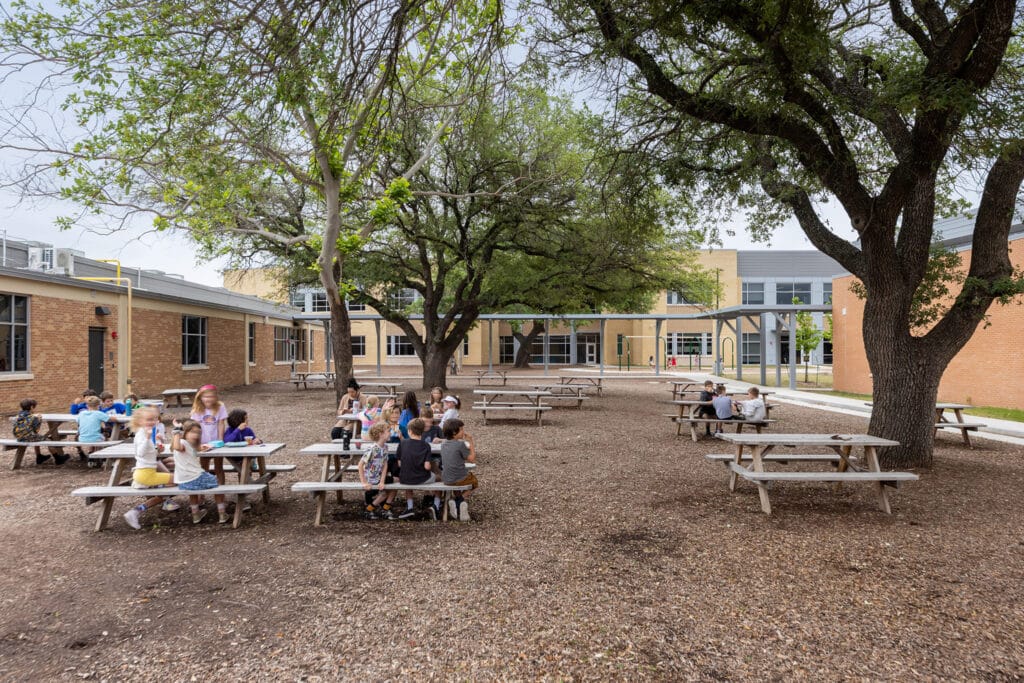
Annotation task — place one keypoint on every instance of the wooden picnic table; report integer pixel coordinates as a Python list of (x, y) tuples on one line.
[(595, 381), (565, 392), (55, 420), (495, 375), (942, 421), (178, 394), (390, 388), (681, 389), (688, 415), (305, 377), (515, 400), (760, 445)]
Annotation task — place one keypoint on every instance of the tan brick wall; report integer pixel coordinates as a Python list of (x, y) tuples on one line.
[(976, 375)]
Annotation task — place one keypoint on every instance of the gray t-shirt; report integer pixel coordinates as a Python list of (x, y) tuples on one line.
[(723, 406), (453, 461)]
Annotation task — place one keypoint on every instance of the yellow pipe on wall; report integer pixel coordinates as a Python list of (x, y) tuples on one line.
[(128, 335)]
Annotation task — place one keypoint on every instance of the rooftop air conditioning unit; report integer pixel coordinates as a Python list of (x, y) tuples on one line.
[(64, 260), (40, 258)]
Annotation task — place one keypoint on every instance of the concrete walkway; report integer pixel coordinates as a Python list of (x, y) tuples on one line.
[(1006, 431)]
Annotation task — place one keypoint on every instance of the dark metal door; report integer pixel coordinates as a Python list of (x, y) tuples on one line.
[(96, 336)]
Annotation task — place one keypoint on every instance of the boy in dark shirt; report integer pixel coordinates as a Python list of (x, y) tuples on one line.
[(414, 466), (706, 396)]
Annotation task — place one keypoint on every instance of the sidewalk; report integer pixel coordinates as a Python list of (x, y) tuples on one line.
[(1006, 431)]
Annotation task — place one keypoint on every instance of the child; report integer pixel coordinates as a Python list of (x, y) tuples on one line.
[(238, 428), (367, 417), (26, 428), (210, 413), (707, 411), (753, 409), (108, 405), (430, 430), (436, 398), (410, 411), (393, 417), (188, 471), (723, 407), (451, 409), (91, 422), (148, 471), (373, 471), (414, 467), (456, 451), (78, 405)]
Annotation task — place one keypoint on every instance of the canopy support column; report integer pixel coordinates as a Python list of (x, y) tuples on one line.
[(376, 324)]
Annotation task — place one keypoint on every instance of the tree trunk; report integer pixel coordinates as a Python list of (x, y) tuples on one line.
[(341, 345), (904, 394), (435, 368), (522, 359)]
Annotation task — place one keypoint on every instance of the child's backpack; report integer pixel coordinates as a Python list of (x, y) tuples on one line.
[(24, 430)]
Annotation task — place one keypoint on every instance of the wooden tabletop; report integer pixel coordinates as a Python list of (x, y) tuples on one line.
[(68, 417), (511, 392), (165, 392), (806, 440), (335, 448), (127, 450)]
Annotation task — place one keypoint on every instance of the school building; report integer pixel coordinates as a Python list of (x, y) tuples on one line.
[(66, 324), (747, 277), (976, 375)]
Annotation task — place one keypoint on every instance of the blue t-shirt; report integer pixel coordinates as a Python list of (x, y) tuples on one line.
[(76, 408), (115, 407), (403, 422), (234, 434), (89, 424)]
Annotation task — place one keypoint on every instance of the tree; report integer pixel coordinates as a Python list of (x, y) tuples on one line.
[(774, 106), (808, 336), (255, 122)]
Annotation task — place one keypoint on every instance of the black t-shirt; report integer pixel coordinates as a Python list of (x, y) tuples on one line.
[(412, 453)]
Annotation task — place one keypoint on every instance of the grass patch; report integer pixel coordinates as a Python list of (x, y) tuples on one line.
[(1014, 414), (848, 394), (815, 378)]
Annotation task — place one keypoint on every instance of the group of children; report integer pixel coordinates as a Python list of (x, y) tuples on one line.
[(412, 427), (717, 405)]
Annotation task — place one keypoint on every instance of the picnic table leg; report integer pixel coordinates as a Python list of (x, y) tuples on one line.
[(762, 487), (115, 431), (843, 464), (339, 475), (261, 469), (321, 496), (239, 506), (19, 455), (116, 471), (733, 477), (104, 515), (883, 493)]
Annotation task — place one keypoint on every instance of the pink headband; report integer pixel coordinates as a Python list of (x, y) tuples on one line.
[(207, 387)]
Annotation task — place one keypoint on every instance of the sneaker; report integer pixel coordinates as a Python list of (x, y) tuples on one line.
[(432, 513), (453, 509), (198, 516), (93, 464), (387, 514), (41, 458), (370, 513), (464, 512), (132, 517), (139, 485), (223, 518), (61, 459), (170, 506), (408, 513)]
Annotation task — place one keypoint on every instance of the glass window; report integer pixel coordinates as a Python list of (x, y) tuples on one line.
[(13, 333), (753, 294), (403, 298), (826, 293), (506, 349), (354, 307), (298, 299), (785, 292), (399, 345), (252, 342), (688, 343), (193, 340), (289, 344), (465, 346), (359, 345), (558, 349), (319, 302), (48, 258), (751, 351), (676, 298)]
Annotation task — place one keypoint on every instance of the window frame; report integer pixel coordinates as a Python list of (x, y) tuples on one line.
[(251, 339), (359, 341), (397, 344), (203, 341), (792, 287), (11, 360), (746, 293)]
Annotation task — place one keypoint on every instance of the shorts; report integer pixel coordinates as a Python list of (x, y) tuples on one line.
[(150, 477), (32, 437), (201, 483), (429, 480), (468, 480), (340, 432)]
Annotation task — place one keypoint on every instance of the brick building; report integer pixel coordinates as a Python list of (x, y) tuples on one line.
[(60, 334), (976, 375)]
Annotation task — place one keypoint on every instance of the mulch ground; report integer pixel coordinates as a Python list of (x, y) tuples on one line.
[(603, 547)]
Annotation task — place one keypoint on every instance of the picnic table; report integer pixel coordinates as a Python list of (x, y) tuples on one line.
[(564, 392), (53, 422), (178, 394), (123, 455), (761, 445), (688, 415), (584, 380), (304, 378), (681, 388), (514, 400), (942, 420), (389, 388), (482, 375)]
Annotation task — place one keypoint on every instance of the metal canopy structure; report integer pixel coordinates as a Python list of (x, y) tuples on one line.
[(731, 317)]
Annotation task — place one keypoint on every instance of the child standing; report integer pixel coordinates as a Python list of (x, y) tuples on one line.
[(210, 413), (188, 471), (26, 428), (148, 471), (410, 411), (367, 417), (451, 409), (374, 472), (414, 468), (456, 451)]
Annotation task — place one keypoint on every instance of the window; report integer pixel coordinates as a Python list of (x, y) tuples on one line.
[(676, 298), (753, 294), (558, 349), (354, 307), (506, 349), (403, 298), (826, 293), (298, 299), (688, 343), (319, 302), (399, 345), (785, 292), (252, 342), (465, 346), (359, 345), (751, 348), (289, 344), (13, 333), (193, 340)]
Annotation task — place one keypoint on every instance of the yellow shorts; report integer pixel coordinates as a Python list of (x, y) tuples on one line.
[(150, 477)]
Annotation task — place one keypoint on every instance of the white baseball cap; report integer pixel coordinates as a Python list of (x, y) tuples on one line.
[(450, 398)]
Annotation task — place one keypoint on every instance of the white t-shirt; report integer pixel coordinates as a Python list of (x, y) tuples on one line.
[(145, 450), (753, 410), (186, 464), (449, 414)]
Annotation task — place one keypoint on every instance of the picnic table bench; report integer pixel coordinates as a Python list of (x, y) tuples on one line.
[(564, 392), (320, 489), (107, 494), (304, 378), (56, 447), (760, 446), (528, 401), (942, 421), (496, 376), (389, 389), (690, 418), (177, 394)]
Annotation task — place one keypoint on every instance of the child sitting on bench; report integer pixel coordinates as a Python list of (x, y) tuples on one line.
[(26, 428)]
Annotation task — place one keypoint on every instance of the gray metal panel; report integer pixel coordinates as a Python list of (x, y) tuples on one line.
[(765, 263)]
